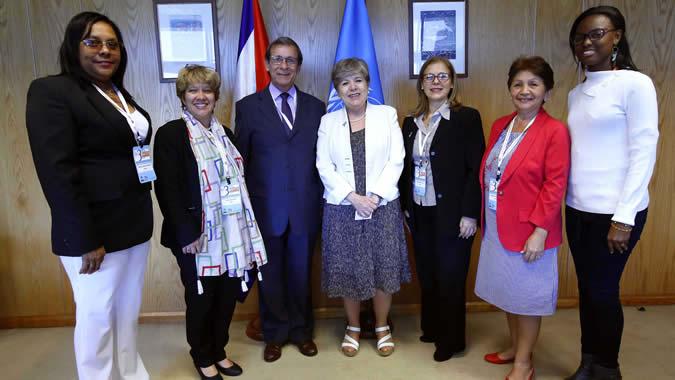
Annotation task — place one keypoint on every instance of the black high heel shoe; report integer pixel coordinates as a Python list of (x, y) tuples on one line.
[(204, 377), (234, 370)]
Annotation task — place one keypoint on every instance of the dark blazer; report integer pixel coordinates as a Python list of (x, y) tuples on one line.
[(177, 186), (81, 147), (456, 151), (280, 169)]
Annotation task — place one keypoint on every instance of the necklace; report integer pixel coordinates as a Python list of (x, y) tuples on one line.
[(358, 119), (521, 122)]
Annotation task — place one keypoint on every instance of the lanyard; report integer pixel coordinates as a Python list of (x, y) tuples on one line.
[(284, 117), (422, 142), (124, 111), (506, 147), (220, 147), (288, 122)]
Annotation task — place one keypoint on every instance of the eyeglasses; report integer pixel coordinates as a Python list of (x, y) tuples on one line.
[(277, 60), (442, 77), (593, 35), (95, 43)]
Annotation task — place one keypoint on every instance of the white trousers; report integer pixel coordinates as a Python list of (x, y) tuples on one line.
[(106, 318)]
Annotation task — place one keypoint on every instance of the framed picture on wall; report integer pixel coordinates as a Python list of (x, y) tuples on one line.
[(186, 34), (438, 28)]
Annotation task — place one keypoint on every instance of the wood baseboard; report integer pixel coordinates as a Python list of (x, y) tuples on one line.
[(39, 321)]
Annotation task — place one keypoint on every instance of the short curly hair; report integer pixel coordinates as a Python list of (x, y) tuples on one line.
[(193, 74)]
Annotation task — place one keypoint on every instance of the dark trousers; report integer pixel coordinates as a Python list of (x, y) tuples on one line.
[(598, 274), (442, 266), (208, 315), (285, 291)]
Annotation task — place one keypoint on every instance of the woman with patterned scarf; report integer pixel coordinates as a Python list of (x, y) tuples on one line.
[(208, 221)]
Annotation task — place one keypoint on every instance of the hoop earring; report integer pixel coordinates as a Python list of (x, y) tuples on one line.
[(615, 52)]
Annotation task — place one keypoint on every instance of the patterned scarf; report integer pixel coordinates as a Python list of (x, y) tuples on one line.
[(232, 242)]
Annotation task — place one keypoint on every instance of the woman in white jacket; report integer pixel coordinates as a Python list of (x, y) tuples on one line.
[(360, 159)]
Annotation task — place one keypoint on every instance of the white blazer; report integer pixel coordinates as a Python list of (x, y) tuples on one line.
[(384, 154)]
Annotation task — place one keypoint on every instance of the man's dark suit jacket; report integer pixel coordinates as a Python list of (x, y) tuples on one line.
[(177, 186), (280, 168), (455, 154), (81, 147)]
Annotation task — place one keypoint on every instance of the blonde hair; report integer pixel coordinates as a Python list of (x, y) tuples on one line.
[(194, 74), (422, 107)]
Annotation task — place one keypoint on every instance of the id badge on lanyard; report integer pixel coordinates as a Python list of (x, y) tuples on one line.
[(230, 196), (505, 149), (230, 188), (142, 155), (420, 182), (492, 194), (143, 161)]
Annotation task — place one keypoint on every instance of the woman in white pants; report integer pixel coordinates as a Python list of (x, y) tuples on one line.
[(90, 143)]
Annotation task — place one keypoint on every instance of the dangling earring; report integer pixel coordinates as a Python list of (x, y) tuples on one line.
[(579, 71), (615, 52)]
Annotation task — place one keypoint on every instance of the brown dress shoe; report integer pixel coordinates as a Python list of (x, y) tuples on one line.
[(307, 348), (254, 329), (272, 352)]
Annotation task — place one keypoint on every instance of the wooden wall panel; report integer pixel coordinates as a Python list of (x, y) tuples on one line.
[(33, 286), (31, 31), (48, 20), (498, 34)]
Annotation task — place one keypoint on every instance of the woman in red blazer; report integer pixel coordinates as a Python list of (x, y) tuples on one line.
[(523, 177)]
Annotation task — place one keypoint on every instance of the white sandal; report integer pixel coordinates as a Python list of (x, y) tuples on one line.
[(349, 342), (385, 341)]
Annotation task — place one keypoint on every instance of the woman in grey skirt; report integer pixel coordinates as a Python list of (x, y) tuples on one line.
[(523, 178), (360, 158)]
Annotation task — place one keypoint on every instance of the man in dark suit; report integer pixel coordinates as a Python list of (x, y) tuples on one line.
[(276, 132)]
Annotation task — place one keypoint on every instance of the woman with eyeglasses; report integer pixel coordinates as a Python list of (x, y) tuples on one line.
[(90, 142), (613, 123), (523, 178), (440, 196)]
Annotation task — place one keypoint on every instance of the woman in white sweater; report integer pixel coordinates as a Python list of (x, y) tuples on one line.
[(613, 122)]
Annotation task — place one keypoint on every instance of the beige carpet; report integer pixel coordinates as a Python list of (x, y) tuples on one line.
[(647, 351)]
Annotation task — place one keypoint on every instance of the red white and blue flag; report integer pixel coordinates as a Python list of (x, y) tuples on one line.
[(252, 76)]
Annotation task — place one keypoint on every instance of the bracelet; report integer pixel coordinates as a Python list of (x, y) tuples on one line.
[(621, 227)]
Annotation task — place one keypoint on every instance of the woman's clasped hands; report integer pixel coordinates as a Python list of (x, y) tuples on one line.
[(364, 205)]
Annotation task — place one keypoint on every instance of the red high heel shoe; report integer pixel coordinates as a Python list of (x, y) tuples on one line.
[(495, 359)]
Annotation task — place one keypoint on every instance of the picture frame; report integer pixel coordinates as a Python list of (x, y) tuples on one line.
[(187, 33), (438, 28)]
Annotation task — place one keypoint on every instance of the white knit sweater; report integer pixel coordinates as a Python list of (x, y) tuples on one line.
[(613, 122)]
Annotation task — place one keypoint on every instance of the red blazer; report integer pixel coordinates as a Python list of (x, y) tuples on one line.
[(533, 184)]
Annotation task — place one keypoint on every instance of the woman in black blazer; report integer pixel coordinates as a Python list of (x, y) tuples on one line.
[(83, 127), (440, 195), (209, 224)]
